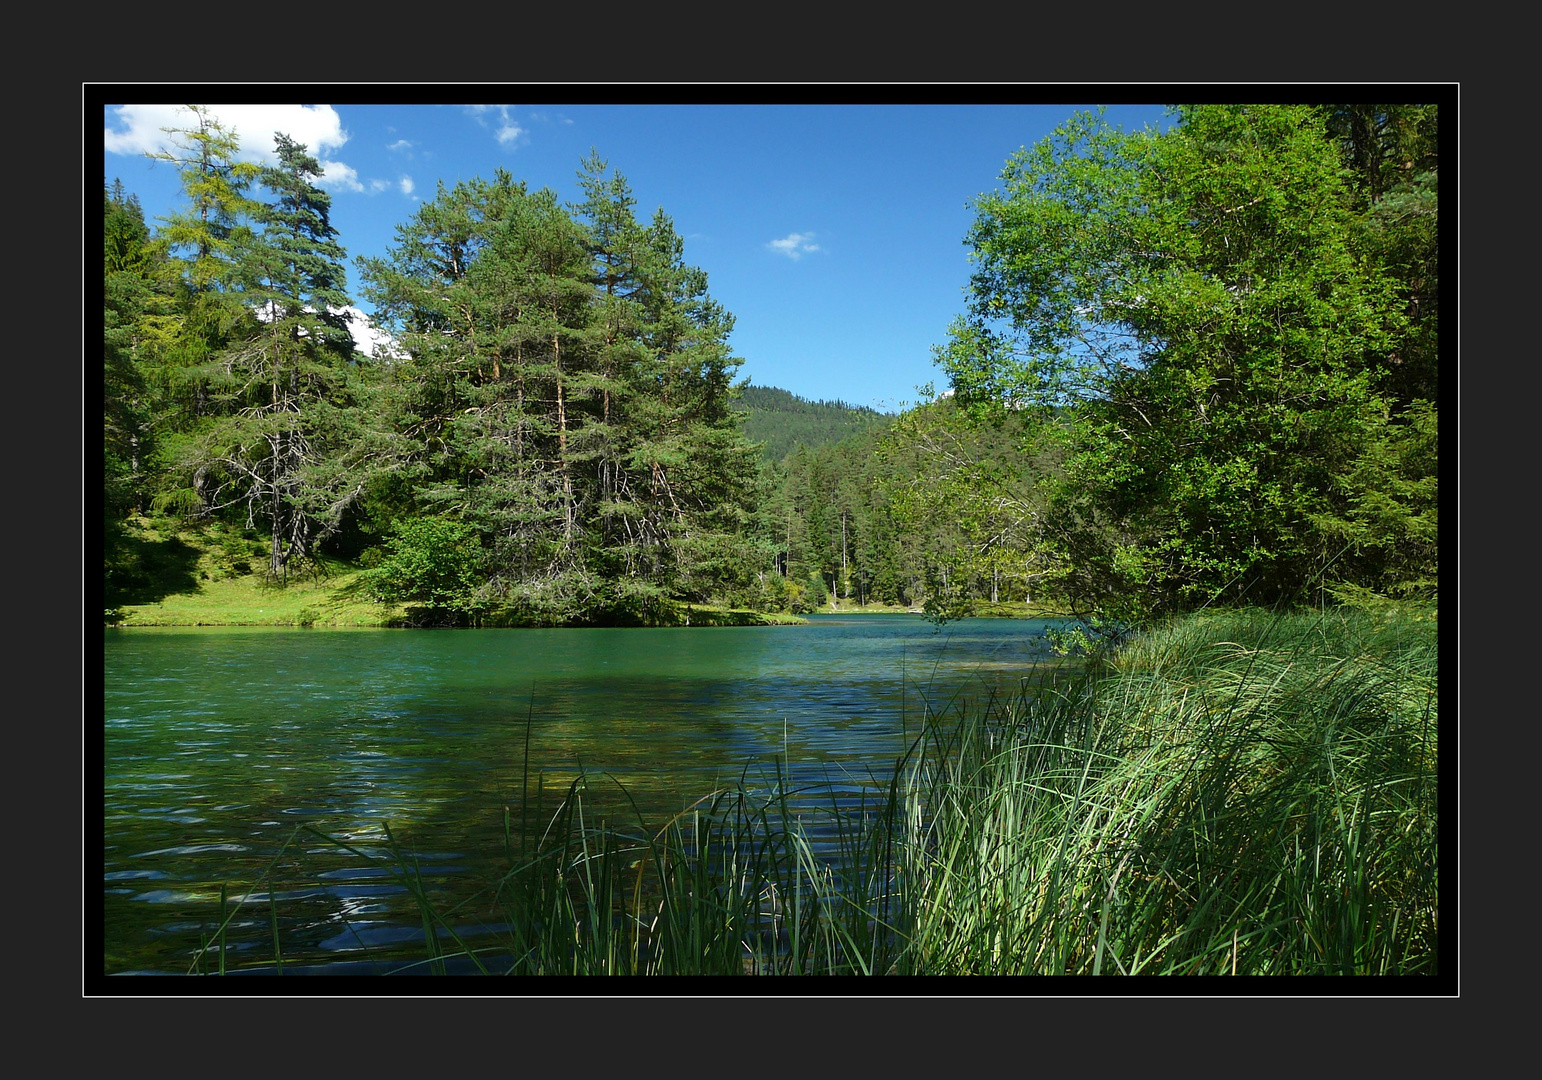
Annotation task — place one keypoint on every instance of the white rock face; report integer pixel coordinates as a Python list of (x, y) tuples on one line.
[(367, 338)]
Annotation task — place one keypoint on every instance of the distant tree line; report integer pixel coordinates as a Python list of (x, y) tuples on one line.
[(779, 421)]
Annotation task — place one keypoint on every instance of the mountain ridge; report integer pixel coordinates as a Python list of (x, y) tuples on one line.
[(780, 420)]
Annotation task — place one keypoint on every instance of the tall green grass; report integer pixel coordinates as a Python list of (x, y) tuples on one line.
[(733, 884), (1242, 792)]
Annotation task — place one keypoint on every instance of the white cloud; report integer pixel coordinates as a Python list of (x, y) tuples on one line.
[(406, 184), (505, 128), (137, 129), (334, 174), (378, 185), (793, 245), (400, 146)]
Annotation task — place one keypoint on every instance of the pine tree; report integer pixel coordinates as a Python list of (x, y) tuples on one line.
[(487, 293), (207, 241), (130, 298), (690, 472), (565, 390), (279, 452)]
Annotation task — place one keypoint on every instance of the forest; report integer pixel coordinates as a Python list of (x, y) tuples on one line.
[(1197, 367)]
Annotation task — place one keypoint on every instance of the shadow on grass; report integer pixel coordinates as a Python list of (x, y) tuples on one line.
[(141, 571)]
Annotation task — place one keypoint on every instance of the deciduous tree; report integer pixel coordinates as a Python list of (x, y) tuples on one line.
[(1197, 300)]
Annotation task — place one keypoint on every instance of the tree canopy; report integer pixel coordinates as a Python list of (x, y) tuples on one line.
[(1216, 311), (564, 386)]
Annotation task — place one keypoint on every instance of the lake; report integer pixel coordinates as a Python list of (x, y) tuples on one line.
[(219, 742)]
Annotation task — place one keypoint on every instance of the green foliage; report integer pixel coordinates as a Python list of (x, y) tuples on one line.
[(205, 244), (433, 564), (1391, 153), (823, 515), (1387, 530), (796, 595), (281, 439), (932, 510), (564, 387), (136, 320), (1091, 638), (963, 487), (816, 591), (1200, 308), (236, 551), (128, 295), (215, 226)]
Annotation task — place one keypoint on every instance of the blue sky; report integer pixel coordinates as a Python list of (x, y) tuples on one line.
[(833, 233)]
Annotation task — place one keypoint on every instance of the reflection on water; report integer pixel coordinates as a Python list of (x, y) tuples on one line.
[(218, 743)]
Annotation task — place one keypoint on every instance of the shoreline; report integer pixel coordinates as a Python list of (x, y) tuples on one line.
[(198, 583), (698, 617)]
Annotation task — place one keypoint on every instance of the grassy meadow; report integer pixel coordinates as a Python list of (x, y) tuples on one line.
[(175, 573)]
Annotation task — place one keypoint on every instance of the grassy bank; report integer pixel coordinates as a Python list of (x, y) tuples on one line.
[(328, 599), (177, 574), (173, 573), (323, 600), (1235, 793)]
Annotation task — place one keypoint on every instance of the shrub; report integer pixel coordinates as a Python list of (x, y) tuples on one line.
[(818, 591), (431, 563), (797, 600)]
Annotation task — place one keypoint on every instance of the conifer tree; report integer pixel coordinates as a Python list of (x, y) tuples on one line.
[(207, 240), (279, 450), (564, 388), (130, 300)]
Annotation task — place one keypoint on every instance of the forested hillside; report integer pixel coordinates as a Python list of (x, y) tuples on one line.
[(1196, 367), (780, 420)]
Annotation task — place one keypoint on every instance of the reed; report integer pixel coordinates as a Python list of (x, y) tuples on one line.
[(1239, 793)]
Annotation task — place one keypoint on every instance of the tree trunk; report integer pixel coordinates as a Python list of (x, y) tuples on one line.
[(562, 446), (276, 562), (845, 575)]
